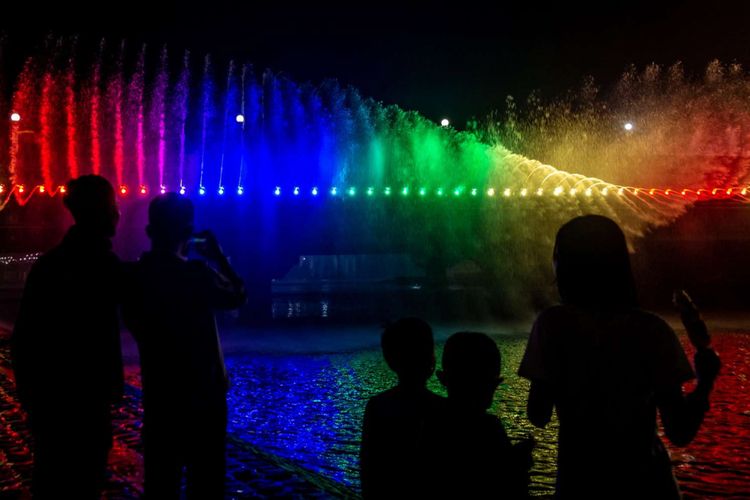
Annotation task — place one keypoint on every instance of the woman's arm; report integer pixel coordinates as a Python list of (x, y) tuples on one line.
[(540, 404)]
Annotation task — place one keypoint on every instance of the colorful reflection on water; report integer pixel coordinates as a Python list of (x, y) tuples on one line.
[(308, 408)]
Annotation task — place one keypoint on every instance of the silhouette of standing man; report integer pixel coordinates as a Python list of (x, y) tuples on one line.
[(66, 348), (169, 308)]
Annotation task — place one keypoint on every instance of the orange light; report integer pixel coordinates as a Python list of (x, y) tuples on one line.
[(729, 191), (651, 191), (713, 192), (2, 188), (42, 189), (667, 192), (684, 192), (63, 190), (123, 190), (21, 188)]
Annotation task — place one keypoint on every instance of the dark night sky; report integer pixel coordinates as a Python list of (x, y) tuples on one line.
[(456, 61)]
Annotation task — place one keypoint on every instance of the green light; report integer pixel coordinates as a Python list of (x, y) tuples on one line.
[(491, 192), (506, 192), (370, 191), (387, 191), (422, 191), (457, 192), (440, 192), (474, 191), (405, 191), (352, 191)]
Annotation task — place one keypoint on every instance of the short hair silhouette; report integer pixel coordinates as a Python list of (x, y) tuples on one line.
[(91, 201), (592, 264), (471, 357), (408, 348), (170, 218)]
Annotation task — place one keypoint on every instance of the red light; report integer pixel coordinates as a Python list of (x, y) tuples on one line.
[(21, 188), (684, 192), (2, 188), (63, 190), (729, 191), (42, 189), (123, 190), (143, 190), (651, 191), (713, 192)]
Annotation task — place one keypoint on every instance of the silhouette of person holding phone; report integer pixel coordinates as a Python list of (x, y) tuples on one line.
[(169, 308), (607, 366)]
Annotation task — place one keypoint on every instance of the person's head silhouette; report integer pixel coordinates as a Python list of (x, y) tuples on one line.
[(170, 222), (409, 350), (592, 264), (470, 370), (91, 201)]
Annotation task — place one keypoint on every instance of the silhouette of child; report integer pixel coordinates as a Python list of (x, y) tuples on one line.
[(606, 366), (394, 419), (473, 457)]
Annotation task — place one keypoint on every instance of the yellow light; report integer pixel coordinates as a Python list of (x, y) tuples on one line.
[(744, 191), (605, 191), (620, 191), (713, 191), (667, 192), (558, 191), (21, 188), (524, 191), (42, 189), (62, 189), (651, 191), (539, 192), (491, 192), (588, 192), (635, 191), (573, 191), (506, 192), (684, 192), (729, 191)]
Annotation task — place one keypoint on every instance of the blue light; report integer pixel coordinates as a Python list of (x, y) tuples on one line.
[(296, 191), (352, 191), (334, 191), (240, 190), (182, 189), (314, 191), (221, 190), (277, 191), (202, 191)]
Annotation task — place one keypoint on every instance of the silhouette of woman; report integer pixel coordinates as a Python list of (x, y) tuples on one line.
[(606, 366)]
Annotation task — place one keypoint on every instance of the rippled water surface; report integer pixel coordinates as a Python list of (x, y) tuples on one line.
[(308, 407)]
